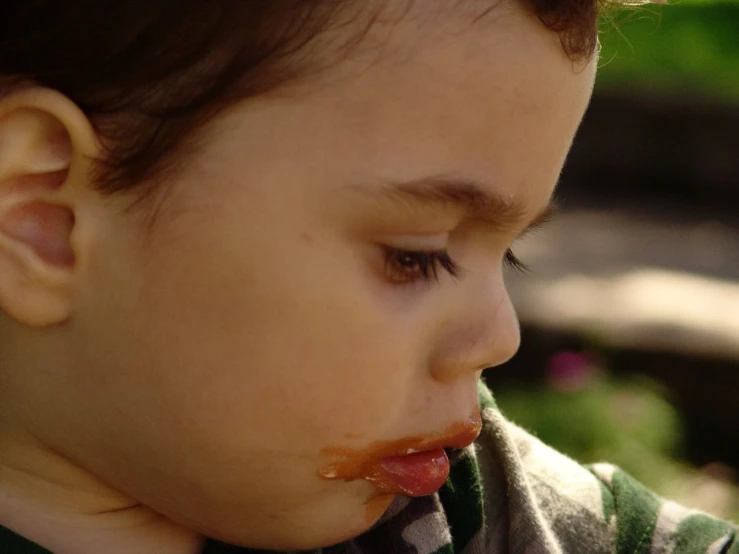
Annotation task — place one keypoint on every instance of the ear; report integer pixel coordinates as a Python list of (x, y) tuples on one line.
[(47, 146)]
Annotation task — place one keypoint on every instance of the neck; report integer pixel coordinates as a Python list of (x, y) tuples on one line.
[(58, 505)]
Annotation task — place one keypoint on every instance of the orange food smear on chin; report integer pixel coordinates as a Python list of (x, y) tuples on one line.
[(376, 506)]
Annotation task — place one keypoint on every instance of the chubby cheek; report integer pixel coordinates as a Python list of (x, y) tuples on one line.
[(250, 360), (341, 377), (297, 343)]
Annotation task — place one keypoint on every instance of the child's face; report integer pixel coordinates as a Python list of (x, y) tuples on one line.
[(214, 357)]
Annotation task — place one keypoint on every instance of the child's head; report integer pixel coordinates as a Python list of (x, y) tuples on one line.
[(211, 214)]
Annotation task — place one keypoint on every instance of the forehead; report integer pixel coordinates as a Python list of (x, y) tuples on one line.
[(467, 95), (493, 99)]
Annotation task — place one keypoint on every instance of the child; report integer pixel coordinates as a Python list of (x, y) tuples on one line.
[(251, 270)]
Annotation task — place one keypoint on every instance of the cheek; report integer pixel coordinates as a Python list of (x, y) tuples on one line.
[(287, 335)]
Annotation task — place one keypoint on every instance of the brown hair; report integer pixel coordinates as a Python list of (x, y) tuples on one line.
[(150, 72)]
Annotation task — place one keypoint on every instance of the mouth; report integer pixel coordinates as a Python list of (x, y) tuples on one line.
[(414, 466), (416, 474)]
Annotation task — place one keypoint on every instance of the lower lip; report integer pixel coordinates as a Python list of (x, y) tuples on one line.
[(417, 474)]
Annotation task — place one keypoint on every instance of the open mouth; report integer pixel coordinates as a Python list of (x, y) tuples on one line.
[(414, 466)]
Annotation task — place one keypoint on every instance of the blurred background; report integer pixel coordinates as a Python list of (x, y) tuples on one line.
[(630, 315)]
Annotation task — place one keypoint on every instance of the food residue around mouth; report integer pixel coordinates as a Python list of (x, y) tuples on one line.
[(414, 466)]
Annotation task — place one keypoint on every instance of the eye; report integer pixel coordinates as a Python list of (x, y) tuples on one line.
[(410, 266), (512, 262)]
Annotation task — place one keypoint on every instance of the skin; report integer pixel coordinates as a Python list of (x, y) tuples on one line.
[(160, 383)]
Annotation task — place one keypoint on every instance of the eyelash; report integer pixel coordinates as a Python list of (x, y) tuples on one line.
[(423, 265)]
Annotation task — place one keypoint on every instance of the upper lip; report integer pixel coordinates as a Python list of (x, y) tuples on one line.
[(458, 435)]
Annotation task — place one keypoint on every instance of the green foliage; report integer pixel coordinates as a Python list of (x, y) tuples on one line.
[(626, 423), (684, 48)]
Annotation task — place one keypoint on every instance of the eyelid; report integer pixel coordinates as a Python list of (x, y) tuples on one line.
[(438, 241), (426, 263)]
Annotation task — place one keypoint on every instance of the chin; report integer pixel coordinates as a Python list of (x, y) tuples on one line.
[(292, 538), (312, 529)]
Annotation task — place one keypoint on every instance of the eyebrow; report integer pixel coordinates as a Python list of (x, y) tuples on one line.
[(469, 196)]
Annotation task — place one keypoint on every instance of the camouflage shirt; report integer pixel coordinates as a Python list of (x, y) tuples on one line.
[(509, 493)]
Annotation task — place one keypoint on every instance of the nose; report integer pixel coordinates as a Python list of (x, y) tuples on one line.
[(482, 332)]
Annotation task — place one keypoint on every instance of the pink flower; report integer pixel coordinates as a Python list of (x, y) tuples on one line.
[(570, 371)]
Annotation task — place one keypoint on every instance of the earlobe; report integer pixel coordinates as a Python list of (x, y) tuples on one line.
[(46, 144)]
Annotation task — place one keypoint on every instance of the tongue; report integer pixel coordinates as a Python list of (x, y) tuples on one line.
[(416, 474)]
